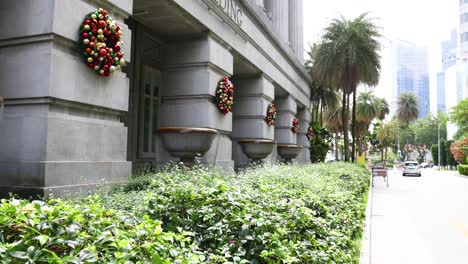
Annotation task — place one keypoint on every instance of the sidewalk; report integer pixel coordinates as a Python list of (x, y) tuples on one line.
[(419, 220)]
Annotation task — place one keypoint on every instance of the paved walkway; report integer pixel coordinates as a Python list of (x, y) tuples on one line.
[(420, 220)]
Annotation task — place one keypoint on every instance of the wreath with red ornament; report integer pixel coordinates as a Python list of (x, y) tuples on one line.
[(101, 40), (271, 114), (310, 133), (295, 126), (225, 95)]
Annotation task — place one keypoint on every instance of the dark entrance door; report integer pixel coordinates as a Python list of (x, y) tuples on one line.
[(145, 85)]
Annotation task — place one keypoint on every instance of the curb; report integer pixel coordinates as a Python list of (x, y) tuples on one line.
[(365, 257)]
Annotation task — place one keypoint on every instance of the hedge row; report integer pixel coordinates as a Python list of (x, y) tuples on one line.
[(275, 214), (463, 169)]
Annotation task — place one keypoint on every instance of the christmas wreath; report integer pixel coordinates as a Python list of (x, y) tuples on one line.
[(101, 43), (295, 126), (310, 133), (225, 95), (271, 114)]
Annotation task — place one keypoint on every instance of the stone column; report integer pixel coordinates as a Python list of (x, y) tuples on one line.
[(252, 97), (280, 18), (61, 130), (296, 27), (304, 119), (191, 72), (286, 112)]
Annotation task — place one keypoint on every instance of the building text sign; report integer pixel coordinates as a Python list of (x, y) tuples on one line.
[(231, 8)]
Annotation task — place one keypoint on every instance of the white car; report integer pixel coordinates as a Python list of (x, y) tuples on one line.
[(426, 165), (411, 167)]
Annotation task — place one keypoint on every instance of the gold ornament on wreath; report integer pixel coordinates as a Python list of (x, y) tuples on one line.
[(225, 95), (271, 114), (101, 40)]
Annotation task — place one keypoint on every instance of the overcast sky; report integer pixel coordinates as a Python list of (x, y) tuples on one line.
[(425, 22)]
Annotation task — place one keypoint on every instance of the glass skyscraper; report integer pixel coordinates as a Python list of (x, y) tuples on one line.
[(413, 73), (444, 78), (441, 105)]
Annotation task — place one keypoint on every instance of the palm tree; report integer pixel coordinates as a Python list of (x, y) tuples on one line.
[(322, 98), (334, 123), (347, 56), (408, 109), (383, 108), (366, 107), (366, 111)]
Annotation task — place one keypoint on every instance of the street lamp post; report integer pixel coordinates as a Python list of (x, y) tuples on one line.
[(399, 151), (438, 145)]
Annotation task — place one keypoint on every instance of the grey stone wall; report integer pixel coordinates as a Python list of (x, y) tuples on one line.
[(60, 131), (304, 121), (61, 128), (296, 27), (285, 19), (254, 44), (280, 18)]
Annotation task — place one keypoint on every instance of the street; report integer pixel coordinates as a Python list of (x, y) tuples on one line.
[(420, 219)]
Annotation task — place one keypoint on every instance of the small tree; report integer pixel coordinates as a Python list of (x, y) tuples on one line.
[(443, 153), (387, 134), (459, 116), (450, 159), (319, 143), (459, 150), (435, 154)]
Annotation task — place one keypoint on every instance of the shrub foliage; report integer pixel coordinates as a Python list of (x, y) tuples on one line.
[(274, 214), (463, 169), (460, 150)]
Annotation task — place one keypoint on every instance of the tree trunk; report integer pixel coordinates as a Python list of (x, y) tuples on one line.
[(321, 115), (317, 113), (407, 133), (312, 111), (382, 155), (353, 133), (344, 119), (385, 161), (336, 147)]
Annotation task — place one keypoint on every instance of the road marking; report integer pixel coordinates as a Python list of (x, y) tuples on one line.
[(461, 227)]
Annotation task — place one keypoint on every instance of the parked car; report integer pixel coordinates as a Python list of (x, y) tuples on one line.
[(426, 165), (411, 167)]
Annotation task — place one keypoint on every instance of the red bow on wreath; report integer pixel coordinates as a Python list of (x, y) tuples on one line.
[(295, 126), (271, 114)]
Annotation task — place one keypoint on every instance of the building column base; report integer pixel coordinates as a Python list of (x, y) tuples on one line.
[(61, 178)]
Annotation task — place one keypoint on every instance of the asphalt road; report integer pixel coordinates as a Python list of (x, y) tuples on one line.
[(420, 219)]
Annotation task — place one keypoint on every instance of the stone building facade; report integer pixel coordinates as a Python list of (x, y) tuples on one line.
[(63, 128)]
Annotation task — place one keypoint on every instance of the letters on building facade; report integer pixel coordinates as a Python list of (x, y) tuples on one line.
[(231, 8)]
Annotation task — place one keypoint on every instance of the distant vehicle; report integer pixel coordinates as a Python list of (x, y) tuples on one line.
[(426, 165), (411, 167)]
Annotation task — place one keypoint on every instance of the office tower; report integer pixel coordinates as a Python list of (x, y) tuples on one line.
[(412, 73)]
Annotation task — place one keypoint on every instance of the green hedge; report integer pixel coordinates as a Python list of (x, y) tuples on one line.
[(275, 214), (86, 232), (463, 169)]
